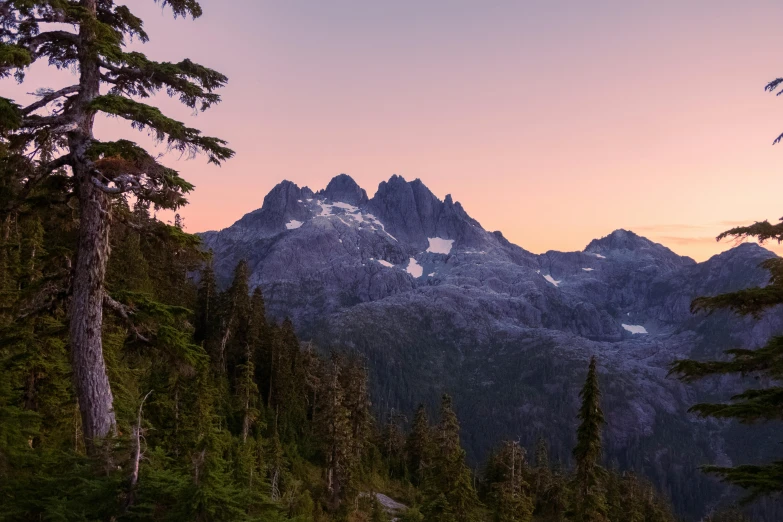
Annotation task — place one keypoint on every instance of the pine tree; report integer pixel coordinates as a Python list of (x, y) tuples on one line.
[(357, 401), (418, 446), (542, 475), (450, 486), (234, 322), (100, 170), (589, 502), (393, 444), (334, 423), (510, 490), (759, 403), (207, 306)]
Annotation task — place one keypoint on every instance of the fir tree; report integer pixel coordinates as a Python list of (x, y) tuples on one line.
[(542, 475), (763, 403), (450, 486), (393, 444), (418, 446), (234, 322), (511, 498), (207, 306), (100, 170), (335, 433), (589, 502)]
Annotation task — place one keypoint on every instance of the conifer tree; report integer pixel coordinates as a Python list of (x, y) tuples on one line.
[(510, 490), (207, 306), (393, 444), (357, 401), (758, 404), (589, 500), (234, 322), (289, 390), (335, 433), (99, 170), (542, 475), (451, 490), (418, 446)]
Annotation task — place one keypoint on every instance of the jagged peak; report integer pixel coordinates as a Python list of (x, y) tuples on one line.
[(343, 188), (284, 190)]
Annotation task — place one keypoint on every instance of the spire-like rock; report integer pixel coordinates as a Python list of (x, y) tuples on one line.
[(412, 211), (344, 188)]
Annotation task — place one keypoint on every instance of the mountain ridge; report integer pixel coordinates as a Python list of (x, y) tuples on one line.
[(343, 188), (437, 303)]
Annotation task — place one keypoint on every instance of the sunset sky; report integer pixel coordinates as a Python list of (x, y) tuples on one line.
[(553, 121)]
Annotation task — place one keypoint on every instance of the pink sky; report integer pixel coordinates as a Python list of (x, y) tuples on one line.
[(553, 121)]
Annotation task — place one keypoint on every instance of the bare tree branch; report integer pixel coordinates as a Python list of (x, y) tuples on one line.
[(49, 98), (137, 455), (125, 313)]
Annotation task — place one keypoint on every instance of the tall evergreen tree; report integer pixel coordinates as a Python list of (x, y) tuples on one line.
[(542, 475), (100, 170), (510, 490), (234, 322), (589, 500), (207, 306), (759, 403), (393, 444), (418, 446), (450, 486), (335, 433)]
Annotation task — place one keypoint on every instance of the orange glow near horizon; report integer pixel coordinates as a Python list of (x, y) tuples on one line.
[(554, 122)]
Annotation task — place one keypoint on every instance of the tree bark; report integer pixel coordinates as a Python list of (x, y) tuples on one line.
[(89, 367), (86, 311)]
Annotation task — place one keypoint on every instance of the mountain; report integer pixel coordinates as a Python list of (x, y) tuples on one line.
[(437, 303)]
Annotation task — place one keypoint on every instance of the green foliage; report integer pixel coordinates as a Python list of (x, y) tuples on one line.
[(97, 50), (178, 136), (243, 422), (589, 500), (759, 403), (10, 118), (448, 487)]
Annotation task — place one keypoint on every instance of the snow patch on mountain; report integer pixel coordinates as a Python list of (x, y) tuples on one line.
[(587, 269), (351, 212), (552, 280), (414, 268), (293, 224), (438, 245), (635, 328)]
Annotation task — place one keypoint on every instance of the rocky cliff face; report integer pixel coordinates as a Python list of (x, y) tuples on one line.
[(437, 303)]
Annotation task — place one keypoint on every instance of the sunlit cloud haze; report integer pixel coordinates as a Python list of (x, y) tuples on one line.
[(555, 122)]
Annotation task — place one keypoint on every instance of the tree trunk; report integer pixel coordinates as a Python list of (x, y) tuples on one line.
[(86, 311), (89, 367)]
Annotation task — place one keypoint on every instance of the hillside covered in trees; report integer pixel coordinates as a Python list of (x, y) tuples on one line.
[(140, 384), (223, 415)]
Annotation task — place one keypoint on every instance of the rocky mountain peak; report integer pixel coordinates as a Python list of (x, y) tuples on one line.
[(284, 194), (411, 211), (620, 239), (627, 244), (344, 188)]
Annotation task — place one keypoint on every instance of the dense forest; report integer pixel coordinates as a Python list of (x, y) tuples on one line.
[(224, 415), (134, 389)]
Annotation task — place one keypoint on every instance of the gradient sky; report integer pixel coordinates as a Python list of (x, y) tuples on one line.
[(553, 121)]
